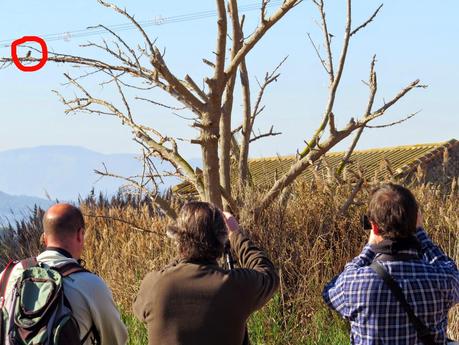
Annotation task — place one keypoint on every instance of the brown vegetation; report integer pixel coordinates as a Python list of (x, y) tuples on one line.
[(306, 237)]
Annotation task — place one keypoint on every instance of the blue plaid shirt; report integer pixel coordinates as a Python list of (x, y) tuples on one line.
[(430, 285)]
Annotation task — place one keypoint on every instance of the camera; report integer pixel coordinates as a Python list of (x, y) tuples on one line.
[(366, 222)]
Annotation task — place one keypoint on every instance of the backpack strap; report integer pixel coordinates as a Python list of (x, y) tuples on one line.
[(96, 337), (423, 332), (5, 279), (65, 271), (70, 268)]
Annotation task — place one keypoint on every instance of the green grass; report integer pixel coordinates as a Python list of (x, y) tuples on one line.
[(137, 331), (269, 327)]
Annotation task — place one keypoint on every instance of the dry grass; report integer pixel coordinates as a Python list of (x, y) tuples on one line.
[(306, 238)]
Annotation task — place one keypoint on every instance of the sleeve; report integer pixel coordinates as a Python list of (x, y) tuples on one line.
[(257, 276), (106, 316), (334, 293), (142, 305), (435, 256), (432, 253)]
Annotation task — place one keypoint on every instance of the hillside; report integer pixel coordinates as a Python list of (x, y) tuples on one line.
[(65, 172), (17, 206)]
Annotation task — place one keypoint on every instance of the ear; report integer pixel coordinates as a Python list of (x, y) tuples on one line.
[(80, 235), (375, 228), (44, 239)]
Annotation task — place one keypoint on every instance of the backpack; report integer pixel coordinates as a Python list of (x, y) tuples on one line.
[(39, 313)]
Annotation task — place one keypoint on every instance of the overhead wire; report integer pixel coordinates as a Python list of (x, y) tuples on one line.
[(156, 21)]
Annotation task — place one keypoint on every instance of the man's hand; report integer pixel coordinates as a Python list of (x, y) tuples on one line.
[(231, 224), (375, 236), (374, 239)]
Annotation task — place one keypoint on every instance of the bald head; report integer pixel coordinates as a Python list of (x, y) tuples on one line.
[(62, 221)]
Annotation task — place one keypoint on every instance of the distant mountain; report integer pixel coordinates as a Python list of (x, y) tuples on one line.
[(15, 207), (66, 172)]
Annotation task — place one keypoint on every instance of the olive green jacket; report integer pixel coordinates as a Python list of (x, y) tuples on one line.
[(199, 303)]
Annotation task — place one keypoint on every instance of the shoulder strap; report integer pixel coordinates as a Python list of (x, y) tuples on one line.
[(423, 332), (95, 333), (70, 268), (28, 263), (5, 278)]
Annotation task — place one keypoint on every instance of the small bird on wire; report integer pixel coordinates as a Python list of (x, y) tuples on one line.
[(29, 53)]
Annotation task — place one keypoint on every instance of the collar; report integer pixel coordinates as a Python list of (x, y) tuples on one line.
[(61, 251), (398, 249), (198, 261)]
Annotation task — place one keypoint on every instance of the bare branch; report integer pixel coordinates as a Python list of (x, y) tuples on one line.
[(350, 200), (120, 220), (321, 59), (403, 92), (334, 82), (395, 122), (123, 42), (249, 116), (196, 88), (327, 40), (332, 125), (271, 133), (368, 21), (156, 198), (132, 20), (319, 150), (373, 85), (221, 45), (141, 132), (262, 28), (160, 104)]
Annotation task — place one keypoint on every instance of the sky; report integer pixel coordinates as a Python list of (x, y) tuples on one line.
[(411, 38)]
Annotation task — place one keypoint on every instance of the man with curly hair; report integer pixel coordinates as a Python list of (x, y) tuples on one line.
[(194, 301)]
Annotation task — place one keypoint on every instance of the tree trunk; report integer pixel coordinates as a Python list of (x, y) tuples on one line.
[(225, 141), (246, 128), (211, 166)]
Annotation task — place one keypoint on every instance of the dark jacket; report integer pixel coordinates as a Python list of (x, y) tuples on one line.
[(199, 303)]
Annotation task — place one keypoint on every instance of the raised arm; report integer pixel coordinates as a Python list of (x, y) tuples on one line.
[(334, 292), (257, 275)]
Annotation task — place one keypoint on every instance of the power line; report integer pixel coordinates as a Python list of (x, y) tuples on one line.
[(156, 21)]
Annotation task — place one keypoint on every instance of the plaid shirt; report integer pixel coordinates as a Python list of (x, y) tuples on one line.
[(430, 285)]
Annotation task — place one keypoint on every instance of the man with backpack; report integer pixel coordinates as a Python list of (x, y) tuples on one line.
[(52, 299), (399, 290)]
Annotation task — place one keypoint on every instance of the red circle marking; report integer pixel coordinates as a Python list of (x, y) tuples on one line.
[(25, 39)]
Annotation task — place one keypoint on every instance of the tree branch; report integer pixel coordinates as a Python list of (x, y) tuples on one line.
[(368, 21), (261, 30)]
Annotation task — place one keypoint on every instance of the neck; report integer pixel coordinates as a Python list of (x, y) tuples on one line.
[(64, 250), (60, 251)]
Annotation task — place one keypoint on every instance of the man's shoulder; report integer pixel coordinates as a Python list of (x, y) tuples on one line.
[(359, 274), (176, 272), (87, 279), (419, 269)]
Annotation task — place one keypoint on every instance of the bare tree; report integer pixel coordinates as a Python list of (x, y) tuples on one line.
[(320, 143), (144, 68)]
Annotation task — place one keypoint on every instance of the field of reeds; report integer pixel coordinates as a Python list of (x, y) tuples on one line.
[(306, 236)]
